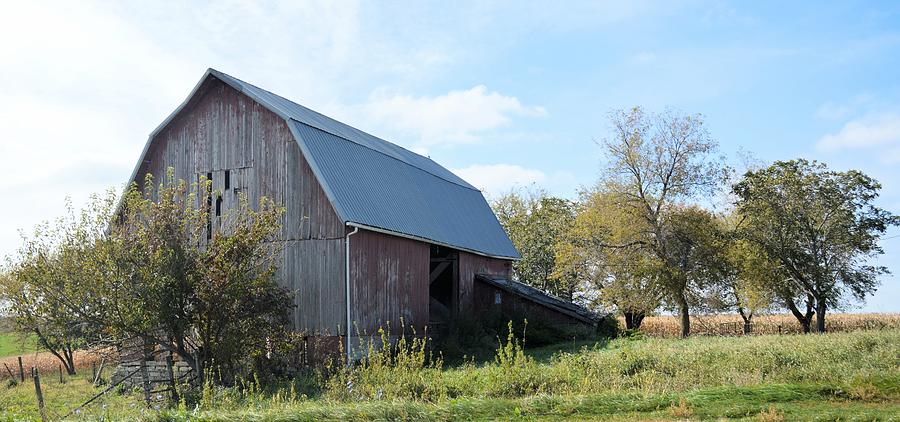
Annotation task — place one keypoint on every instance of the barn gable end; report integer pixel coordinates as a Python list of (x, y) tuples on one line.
[(220, 130)]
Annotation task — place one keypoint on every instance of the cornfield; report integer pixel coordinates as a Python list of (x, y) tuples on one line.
[(733, 325), (44, 362)]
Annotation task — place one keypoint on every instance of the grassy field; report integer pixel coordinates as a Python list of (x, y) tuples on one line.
[(840, 376), (12, 344)]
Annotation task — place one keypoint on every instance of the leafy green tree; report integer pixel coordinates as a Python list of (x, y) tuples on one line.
[(748, 279), (536, 222), (158, 270), (51, 266), (822, 228), (172, 284), (657, 162), (624, 278)]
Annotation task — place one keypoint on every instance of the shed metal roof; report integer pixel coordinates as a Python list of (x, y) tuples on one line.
[(377, 184)]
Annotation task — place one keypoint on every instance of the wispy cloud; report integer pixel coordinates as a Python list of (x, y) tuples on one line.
[(452, 118), (869, 131), (497, 179), (841, 110)]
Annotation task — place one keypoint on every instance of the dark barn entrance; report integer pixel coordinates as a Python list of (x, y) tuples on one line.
[(443, 286)]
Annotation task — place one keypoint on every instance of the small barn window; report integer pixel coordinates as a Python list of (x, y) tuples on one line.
[(219, 206), (227, 179), (498, 298)]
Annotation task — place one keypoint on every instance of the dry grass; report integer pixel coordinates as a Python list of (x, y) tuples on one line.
[(45, 363), (729, 325)]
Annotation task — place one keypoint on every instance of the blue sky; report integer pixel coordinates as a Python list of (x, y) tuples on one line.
[(504, 93)]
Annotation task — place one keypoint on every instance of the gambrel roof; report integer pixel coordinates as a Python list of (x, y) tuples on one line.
[(381, 186)]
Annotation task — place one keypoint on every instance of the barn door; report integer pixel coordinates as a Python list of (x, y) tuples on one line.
[(443, 286)]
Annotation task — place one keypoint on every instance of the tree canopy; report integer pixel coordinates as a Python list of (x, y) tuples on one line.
[(822, 228)]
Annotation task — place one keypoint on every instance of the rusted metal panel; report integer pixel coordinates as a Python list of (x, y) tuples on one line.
[(389, 281), (221, 129), (469, 266)]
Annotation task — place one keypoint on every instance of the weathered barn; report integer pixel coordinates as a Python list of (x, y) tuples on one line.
[(373, 233)]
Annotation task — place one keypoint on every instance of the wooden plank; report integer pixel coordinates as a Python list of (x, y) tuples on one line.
[(222, 129)]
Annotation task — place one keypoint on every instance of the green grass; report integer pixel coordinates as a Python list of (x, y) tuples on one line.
[(12, 344), (788, 402), (19, 402), (842, 376)]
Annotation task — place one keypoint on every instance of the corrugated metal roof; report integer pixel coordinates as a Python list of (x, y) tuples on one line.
[(292, 110), (375, 183)]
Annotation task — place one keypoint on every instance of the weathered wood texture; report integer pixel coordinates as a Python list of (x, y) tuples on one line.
[(514, 306), (389, 281), (223, 130), (471, 264)]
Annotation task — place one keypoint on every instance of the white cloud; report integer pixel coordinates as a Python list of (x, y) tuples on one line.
[(842, 110), (869, 131), (452, 118), (499, 178)]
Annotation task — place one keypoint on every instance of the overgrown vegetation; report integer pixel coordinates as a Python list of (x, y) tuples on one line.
[(794, 377), (793, 235), (155, 269)]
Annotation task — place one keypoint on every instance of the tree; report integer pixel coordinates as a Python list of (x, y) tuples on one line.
[(821, 227), (536, 222), (172, 284), (51, 265), (749, 278), (623, 277), (161, 272), (656, 161), (693, 262)]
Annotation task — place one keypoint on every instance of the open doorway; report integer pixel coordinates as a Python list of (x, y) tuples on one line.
[(443, 286)]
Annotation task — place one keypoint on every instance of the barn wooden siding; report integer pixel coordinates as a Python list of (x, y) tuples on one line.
[(389, 281), (222, 129), (471, 264)]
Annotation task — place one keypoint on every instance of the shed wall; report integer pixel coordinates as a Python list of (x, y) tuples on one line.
[(471, 264), (513, 305)]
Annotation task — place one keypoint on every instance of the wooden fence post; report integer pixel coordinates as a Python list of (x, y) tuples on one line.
[(37, 392), (99, 371), (197, 363), (61, 380), (172, 385), (21, 370), (93, 372), (145, 379)]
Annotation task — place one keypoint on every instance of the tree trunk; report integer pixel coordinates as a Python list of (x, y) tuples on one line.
[(805, 319), (60, 354), (820, 316), (684, 312), (748, 319), (633, 319), (69, 354)]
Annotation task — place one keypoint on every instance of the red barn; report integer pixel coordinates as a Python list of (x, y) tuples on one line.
[(373, 233)]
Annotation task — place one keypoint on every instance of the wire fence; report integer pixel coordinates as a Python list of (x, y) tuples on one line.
[(158, 375)]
